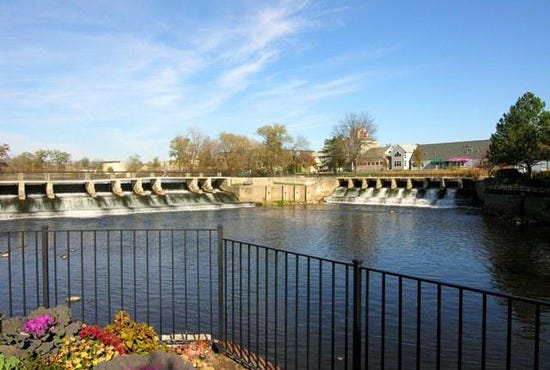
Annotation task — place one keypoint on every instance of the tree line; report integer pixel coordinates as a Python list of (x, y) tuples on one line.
[(522, 139)]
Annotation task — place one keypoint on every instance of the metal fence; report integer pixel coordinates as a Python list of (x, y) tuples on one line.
[(271, 308)]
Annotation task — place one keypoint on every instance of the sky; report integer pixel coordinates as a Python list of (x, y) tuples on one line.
[(109, 79)]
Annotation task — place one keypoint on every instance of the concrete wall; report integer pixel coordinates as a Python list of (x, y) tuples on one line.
[(524, 205), (301, 190)]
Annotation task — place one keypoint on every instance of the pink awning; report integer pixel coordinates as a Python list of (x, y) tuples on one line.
[(459, 159)]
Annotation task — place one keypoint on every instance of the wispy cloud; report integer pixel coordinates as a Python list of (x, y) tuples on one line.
[(139, 74)]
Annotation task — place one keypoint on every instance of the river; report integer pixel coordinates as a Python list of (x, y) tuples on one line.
[(456, 245)]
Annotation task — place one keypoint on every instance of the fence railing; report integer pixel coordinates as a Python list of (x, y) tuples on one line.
[(271, 308)]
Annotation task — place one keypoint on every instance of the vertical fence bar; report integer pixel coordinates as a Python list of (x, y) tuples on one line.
[(45, 270), (356, 365), (220, 283), (10, 296), (383, 324), (509, 336), (537, 336), (36, 269), (24, 287), (438, 335), (400, 325), (418, 323), (484, 332)]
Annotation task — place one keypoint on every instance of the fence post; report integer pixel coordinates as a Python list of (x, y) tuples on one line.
[(220, 283), (45, 269), (356, 345)]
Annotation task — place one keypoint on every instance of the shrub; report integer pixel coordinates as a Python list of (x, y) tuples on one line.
[(103, 335), (41, 334), (83, 353), (136, 337), (8, 363)]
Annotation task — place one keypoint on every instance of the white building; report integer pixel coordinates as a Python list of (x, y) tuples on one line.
[(399, 156)]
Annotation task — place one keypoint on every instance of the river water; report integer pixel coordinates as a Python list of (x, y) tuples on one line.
[(456, 245)]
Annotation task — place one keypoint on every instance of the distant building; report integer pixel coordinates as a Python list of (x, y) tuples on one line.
[(458, 154), (114, 166), (374, 159), (399, 156)]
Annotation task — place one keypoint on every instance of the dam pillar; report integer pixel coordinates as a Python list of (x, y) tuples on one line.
[(267, 194), (460, 184), (157, 187), (409, 184), (116, 188), (194, 186), (378, 184), (364, 184), (49, 190), (21, 191), (442, 184), (137, 187), (350, 184), (393, 185), (207, 186), (90, 189)]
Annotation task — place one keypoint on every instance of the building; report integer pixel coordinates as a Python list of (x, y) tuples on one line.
[(460, 154), (374, 159), (399, 156)]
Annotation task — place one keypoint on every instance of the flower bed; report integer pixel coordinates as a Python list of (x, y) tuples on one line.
[(47, 339)]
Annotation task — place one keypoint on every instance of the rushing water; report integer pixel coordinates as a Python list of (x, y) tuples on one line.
[(458, 245)]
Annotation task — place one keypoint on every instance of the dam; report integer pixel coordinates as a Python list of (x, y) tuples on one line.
[(43, 198), (438, 192)]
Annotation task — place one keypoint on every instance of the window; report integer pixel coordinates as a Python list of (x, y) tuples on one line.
[(397, 154), (397, 163)]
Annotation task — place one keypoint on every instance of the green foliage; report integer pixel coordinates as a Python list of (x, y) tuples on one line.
[(9, 363), (136, 337), (15, 341), (84, 353), (334, 153), (522, 135)]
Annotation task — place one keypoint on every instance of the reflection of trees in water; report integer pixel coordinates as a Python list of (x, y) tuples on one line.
[(520, 258)]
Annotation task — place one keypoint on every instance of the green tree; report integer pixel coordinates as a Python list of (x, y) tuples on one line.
[(274, 151), (4, 155), (522, 135), (357, 130), (334, 153)]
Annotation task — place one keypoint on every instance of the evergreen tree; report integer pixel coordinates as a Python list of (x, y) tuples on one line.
[(522, 135)]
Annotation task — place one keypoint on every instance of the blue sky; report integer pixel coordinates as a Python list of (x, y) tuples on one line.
[(109, 79)]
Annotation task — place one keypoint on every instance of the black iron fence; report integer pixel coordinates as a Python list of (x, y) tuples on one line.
[(272, 308)]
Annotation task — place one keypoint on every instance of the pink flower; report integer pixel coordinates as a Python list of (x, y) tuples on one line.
[(38, 326)]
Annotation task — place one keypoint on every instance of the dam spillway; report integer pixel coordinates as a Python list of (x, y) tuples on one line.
[(408, 192), (89, 198)]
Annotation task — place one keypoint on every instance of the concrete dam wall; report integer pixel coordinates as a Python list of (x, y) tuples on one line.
[(20, 199)]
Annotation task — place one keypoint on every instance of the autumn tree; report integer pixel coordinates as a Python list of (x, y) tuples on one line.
[(275, 139), (417, 159), (522, 135), (185, 149), (356, 129), (235, 152)]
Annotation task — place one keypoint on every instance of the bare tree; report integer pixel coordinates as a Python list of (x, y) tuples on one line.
[(357, 130)]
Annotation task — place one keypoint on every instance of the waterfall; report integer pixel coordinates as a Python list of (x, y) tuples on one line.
[(106, 203), (416, 197)]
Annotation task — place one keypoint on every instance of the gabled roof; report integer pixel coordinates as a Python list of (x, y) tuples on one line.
[(476, 149), (375, 153)]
